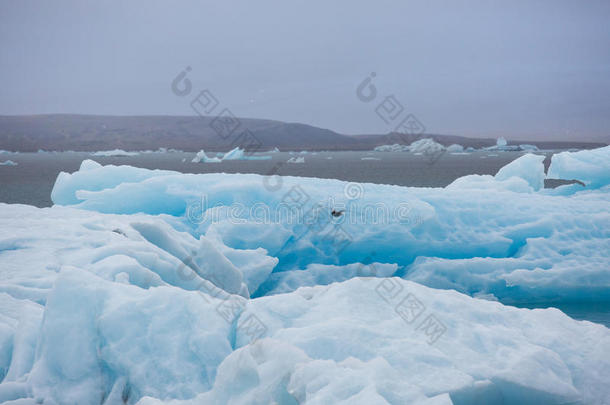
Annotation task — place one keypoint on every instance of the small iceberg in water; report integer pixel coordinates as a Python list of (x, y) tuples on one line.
[(114, 153), (299, 159), (233, 154)]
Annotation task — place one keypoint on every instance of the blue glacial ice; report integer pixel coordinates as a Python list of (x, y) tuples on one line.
[(497, 233), (154, 287), (592, 167)]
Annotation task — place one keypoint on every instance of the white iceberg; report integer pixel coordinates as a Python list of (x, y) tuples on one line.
[(528, 167), (455, 148), (114, 153), (426, 145), (592, 167), (8, 163), (501, 145), (296, 159), (201, 157), (392, 148), (234, 154), (314, 353), (522, 175)]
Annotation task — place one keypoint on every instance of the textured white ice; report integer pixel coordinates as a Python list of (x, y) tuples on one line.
[(592, 167), (114, 153), (156, 287), (233, 154)]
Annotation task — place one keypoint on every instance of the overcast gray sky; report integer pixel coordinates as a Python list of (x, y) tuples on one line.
[(537, 69)]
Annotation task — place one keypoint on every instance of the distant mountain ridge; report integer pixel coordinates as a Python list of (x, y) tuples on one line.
[(29, 133)]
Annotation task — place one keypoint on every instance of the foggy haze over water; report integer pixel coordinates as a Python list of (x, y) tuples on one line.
[(523, 70)]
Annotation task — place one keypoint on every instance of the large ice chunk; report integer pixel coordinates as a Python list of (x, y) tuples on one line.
[(141, 250), (92, 176), (396, 342), (528, 167), (500, 236), (165, 342), (125, 308), (523, 175), (426, 145), (529, 357), (592, 167)]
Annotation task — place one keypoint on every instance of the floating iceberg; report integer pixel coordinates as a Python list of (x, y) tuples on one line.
[(94, 177), (426, 145), (8, 163), (522, 175), (455, 148), (296, 159), (233, 154), (392, 148), (501, 145), (125, 300), (592, 167), (114, 153), (528, 167), (528, 147), (136, 289), (201, 157)]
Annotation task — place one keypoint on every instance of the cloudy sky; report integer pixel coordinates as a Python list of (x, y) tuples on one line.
[(522, 69)]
